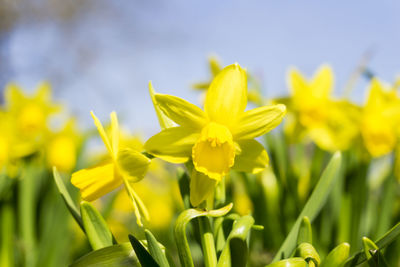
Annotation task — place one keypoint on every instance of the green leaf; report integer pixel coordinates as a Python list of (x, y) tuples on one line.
[(235, 251), (120, 255), (305, 232), (155, 249), (95, 226), (183, 219), (73, 209), (308, 253), (145, 259), (337, 257), (385, 240), (314, 204), (372, 253), (292, 262)]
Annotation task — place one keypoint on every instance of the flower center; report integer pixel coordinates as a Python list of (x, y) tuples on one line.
[(214, 152)]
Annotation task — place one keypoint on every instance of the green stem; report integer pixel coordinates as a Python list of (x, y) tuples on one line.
[(26, 210), (207, 242), (7, 235)]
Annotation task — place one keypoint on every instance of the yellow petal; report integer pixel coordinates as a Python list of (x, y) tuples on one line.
[(114, 133), (226, 98), (258, 121), (102, 133), (163, 120), (44, 92), (252, 159), (132, 164), (181, 111), (201, 187), (296, 82), (214, 152), (173, 144), (96, 181), (322, 83)]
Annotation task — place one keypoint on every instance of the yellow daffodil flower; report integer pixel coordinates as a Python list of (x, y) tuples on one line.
[(380, 120), (331, 124), (30, 112), (219, 138), (125, 166)]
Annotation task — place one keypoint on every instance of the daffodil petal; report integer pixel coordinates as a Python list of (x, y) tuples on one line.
[(163, 120), (44, 91), (296, 82), (96, 181), (226, 98), (253, 157), (322, 83), (258, 121), (114, 133), (181, 111), (172, 144), (201, 187), (102, 133), (132, 164)]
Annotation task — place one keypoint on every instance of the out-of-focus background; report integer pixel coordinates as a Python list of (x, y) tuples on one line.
[(99, 55)]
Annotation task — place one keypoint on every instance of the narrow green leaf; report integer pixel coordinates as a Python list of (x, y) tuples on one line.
[(95, 226), (155, 249), (313, 205), (183, 219), (120, 255), (292, 262), (145, 259), (207, 242), (235, 250), (73, 209), (385, 240), (337, 257), (305, 232)]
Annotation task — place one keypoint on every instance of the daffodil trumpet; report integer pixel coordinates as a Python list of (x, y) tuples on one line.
[(219, 138)]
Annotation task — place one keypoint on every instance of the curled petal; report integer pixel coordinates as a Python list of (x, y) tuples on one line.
[(252, 159), (172, 144), (259, 121), (132, 164)]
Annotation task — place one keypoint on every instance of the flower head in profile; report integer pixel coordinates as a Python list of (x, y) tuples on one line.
[(380, 119), (124, 166), (219, 138)]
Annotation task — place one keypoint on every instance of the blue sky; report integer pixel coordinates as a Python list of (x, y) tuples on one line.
[(103, 59)]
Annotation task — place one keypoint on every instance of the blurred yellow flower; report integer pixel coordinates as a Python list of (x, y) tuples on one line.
[(380, 119), (62, 148), (124, 166), (331, 124), (220, 137), (30, 112)]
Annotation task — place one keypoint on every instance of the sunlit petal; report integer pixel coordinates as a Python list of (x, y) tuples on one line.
[(252, 159), (96, 181), (132, 164), (226, 98), (259, 121), (181, 111), (102, 133), (173, 144)]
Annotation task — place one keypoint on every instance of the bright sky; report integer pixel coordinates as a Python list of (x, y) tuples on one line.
[(103, 60)]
